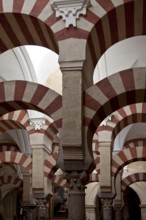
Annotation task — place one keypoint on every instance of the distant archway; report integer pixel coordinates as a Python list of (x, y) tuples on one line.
[(132, 202)]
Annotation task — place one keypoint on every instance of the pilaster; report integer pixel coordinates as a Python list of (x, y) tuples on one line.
[(105, 166), (37, 167), (72, 135), (40, 185), (118, 201), (27, 188)]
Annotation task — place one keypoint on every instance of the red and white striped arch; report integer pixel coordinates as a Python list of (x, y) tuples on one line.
[(127, 156), (129, 144), (135, 143), (20, 116), (51, 131), (106, 23), (8, 147), (113, 21), (111, 94), (61, 181), (21, 120), (26, 23), (9, 125), (94, 177), (17, 158), (50, 164), (105, 18), (16, 95), (121, 118), (135, 177), (13, 180)]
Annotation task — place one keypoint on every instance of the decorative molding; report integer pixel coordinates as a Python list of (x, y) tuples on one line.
[(70, 10), (37, 123)]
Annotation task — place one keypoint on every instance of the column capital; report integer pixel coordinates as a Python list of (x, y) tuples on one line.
[(76, 180), (70, 10), (37, 123), (107, 203)]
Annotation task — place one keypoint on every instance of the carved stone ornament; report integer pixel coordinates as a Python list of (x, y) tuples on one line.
[(107, 203), (70, 10), (76, 181), (37, 123)]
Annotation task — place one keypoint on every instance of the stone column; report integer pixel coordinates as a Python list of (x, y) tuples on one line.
[(143, 211), (75, 156), (38, 167), (76, 197), (72, 132), (105, 165), (118, 198), (27, 188), (107, 208), (72, 136)]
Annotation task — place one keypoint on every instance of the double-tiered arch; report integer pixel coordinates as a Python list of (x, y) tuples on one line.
[(111, 94)]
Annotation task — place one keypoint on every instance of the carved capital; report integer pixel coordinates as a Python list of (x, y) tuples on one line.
[(107, 203), (76, 181), (70, 10), (37, 123)]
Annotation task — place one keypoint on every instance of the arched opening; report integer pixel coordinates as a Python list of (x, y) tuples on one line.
[(132, 202), (126, 54), (11, 204)]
